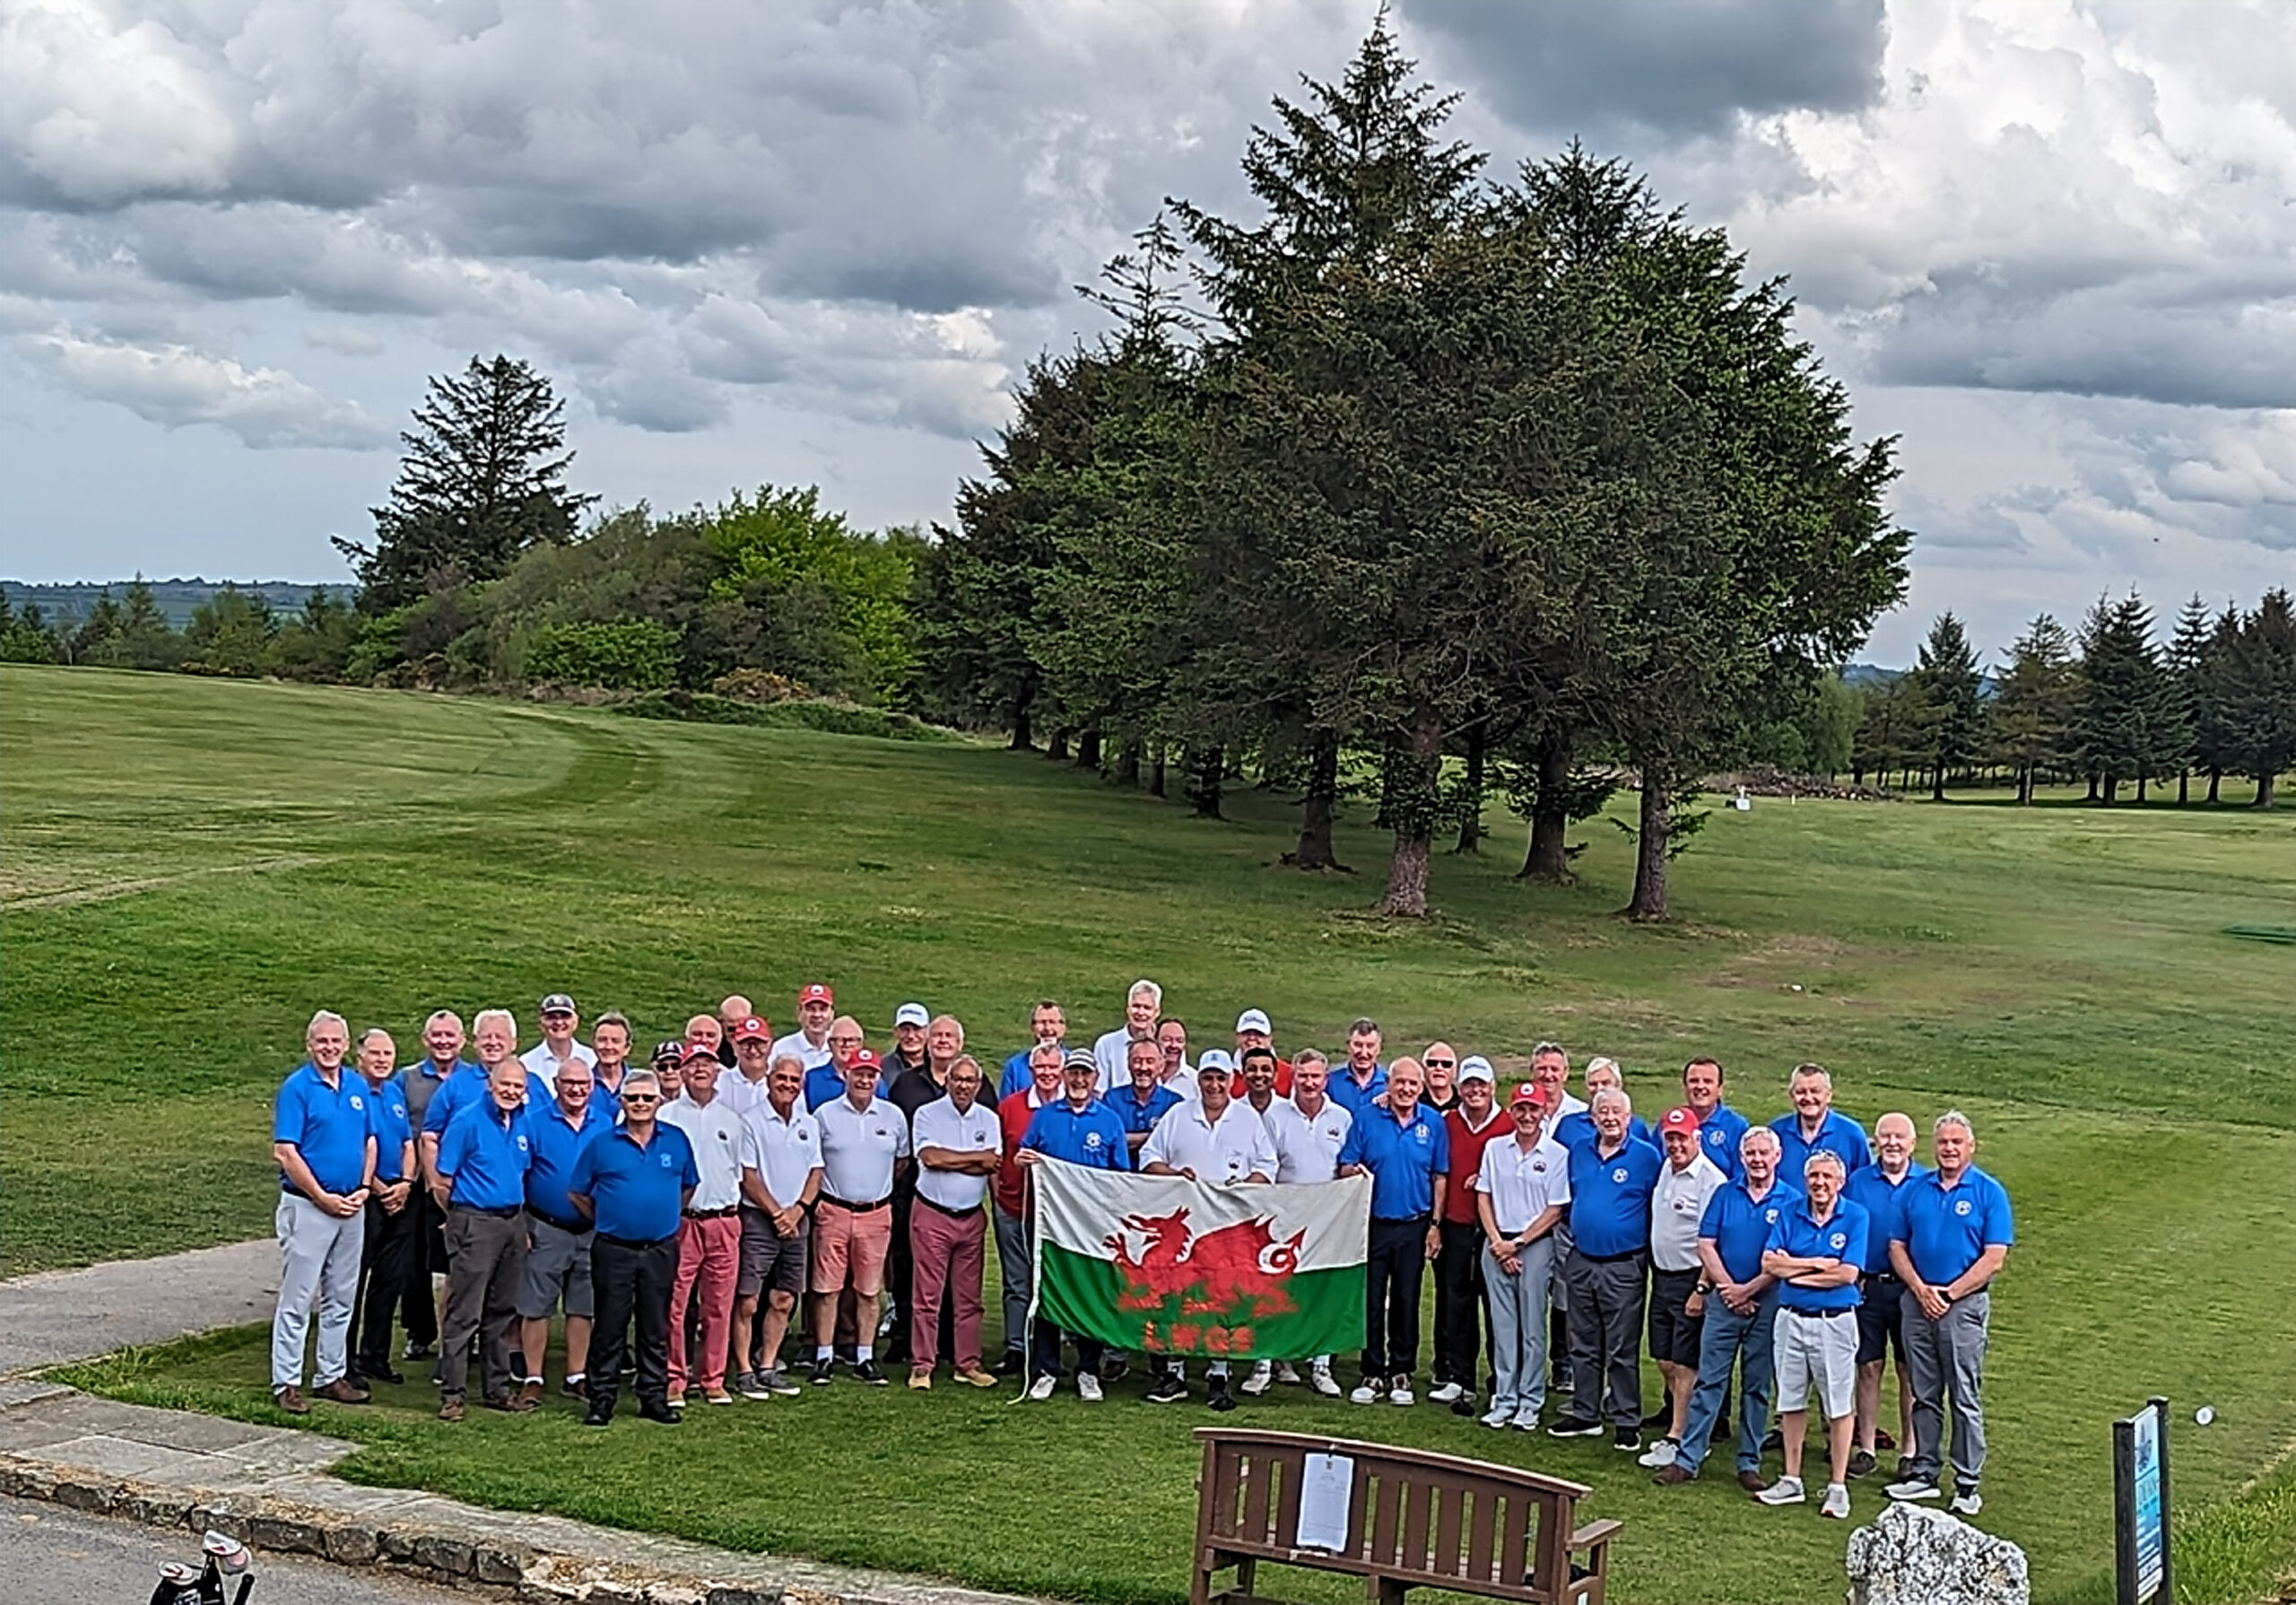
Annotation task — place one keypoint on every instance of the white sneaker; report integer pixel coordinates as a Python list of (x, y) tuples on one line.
[(1837, 1503), (1287, 1374), (1040, 1389), (1368, 1393), (1088, 1387), (1526, 1421), (1967, 1504), (1445, 1395), (1659, 1455), (1400, 1393), (1324, 1382), (1499, 1416), (1913, 1487), (1263, 1377), (1786, 1491)]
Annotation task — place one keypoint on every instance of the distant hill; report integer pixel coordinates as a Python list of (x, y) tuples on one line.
[(69, 603), (1863, 675)]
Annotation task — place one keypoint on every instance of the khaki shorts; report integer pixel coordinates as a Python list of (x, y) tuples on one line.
[(850, 1245), (557, 1266), (1816, 1354)]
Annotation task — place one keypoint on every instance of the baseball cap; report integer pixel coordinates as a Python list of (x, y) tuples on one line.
[(1080, 1058), (866, 1058), (694, 1050), (1253, 1019), (1526, 1092), (557, 1003), (1214, 1058), (1475, 1067), (814, 991), (912, 1014), (671, 1053), (753, 1030), (1679, 1120)]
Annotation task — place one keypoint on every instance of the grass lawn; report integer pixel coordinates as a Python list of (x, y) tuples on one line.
[(191, 867)]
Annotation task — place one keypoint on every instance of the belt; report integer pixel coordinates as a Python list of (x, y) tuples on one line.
[(1883, 1276), (944, 1209), (509, 1214), (1400, 1220), (634, 1241), (573, 1227), (853, 1208), (1814, 1314), (1632, 1253), (713, 1214)]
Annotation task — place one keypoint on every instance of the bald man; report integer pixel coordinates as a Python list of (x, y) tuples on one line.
[(732, 1010), (1880, 1321)]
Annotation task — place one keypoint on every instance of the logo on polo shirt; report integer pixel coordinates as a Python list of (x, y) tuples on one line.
[(355, 1103), (666, 1160), (1091, 1139), (1619, 1175), (1961, 1206), (521, 1142), (724, 1135), (1837, 1240), (1769, 1215)]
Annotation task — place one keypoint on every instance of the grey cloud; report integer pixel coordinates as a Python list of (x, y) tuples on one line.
[(343, 339), (177, 385)]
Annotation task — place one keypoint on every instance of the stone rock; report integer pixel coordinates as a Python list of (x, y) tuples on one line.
[(351, 1544), (493, 1564), (451, 1555), (723, 1594), (284, 1534), (1912, 1554)]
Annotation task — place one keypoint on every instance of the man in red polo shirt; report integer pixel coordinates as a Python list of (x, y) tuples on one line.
[(1471, 1125), (1008, 1199)]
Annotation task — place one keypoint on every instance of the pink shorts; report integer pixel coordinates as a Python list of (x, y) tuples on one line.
[(844, 1241)]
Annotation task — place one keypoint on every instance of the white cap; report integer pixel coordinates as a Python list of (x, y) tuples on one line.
[(912, 1014), (1253, 1019), (1475, 1067), (1214, 1058)]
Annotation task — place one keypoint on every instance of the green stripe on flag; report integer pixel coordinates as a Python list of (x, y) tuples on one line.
[(1084, 1294)]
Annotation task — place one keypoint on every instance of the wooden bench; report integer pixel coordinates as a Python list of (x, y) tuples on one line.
[(1414, 1519)]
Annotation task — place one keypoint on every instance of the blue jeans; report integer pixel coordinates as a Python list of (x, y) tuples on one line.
[(1726, 1339)]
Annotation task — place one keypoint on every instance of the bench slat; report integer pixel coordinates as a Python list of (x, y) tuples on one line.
[(1387, 1508), (1515, 1537), (1259, 1476), (1449, 1516), (1418, 1499)]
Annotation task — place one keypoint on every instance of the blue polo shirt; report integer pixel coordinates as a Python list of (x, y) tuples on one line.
[(1718, 1134), (637, 1193), (1740, 1228), (329, 1125), (386, 1117), (555, 1145), (467, 1085), (1871, 1191), (1093, 1136), (485, 1153), (1576, 1130), (1610, 1198), (1342, 1090), (1014, 1077), (1946, 1229), (1837, 1133), (1404, 1157), (1841, 1238), (1135, 1115)]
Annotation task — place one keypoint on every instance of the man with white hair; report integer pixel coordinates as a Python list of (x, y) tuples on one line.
[(1612, 1179), (1307, 1131), (423, 1305), (1949, 1238), (1144, 1004), (484, 1158), (1522, 1186), (1048, 1023), (1815, 1253), (323, 1135), (1881, 1295), (1816, 1123)]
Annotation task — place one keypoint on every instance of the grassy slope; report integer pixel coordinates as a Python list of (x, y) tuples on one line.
[(2059, 970)]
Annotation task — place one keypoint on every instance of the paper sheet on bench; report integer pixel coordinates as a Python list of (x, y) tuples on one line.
[(1326, 1490)]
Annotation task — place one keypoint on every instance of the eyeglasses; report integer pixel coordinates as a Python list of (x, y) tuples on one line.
[(641, 1097)]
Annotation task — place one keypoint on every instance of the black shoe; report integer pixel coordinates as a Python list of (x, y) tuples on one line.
[(868, 1371), (1775, 1440), (1220, 1399), (1575, 1427), (574, 1390), (1627, 1440), (1660, 1417), (378, 1370), (597, 1417), (1115, 1368), (1168, 1389), (1012, 1364), (1464, 1405), (1721, 1429), (823, 1369), (668, 1415), (1861, 1464)]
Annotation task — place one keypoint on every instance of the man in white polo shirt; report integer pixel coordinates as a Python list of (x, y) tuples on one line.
[(559, 1021), (1522, 1186), (959, 1147), (816, 1008), (709, 1239), (1307, 1132), (745, 1086), (1216, 1139), (864, 1137), (1678, 1202), (782, 1176), (1141, 1006)]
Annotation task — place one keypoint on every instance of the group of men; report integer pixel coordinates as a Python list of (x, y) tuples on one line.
[(743, 1183)]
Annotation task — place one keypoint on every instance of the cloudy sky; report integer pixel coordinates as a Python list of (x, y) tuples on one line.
[(2052, 245)]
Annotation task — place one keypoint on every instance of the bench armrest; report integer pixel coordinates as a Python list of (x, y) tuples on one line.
[(1595, 1532)]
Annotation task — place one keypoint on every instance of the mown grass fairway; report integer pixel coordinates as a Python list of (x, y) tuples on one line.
[(192, 867)]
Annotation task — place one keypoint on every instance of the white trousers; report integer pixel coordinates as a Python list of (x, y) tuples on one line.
[(318, 1259)]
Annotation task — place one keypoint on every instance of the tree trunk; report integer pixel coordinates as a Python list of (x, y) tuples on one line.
[(1156, 771), (1650, 901), (2184, 787), (1411, 810), (1023, 736), (1937, 784), (1406, 891), (2025, 786), (1056, 749), (1313, 850), (1088, 750), (2215, 778), (1549, 858), (1471, 815), (2112, 790), (1204, 766), (2264, 784), (1127, 764)]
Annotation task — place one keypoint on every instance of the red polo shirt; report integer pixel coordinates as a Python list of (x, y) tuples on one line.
[(1013, 1113), (1466, 1159)]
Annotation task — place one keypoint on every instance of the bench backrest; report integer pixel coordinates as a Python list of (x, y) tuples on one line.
[(1422, 1519)]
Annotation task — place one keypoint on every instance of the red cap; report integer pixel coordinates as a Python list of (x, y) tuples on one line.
[(866, 1058), (1526, 1092), (753, 1030), (1679, 1120), (815, 992), (694, 1050)]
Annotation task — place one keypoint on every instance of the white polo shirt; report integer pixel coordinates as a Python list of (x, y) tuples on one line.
[(1111, 1051), (785, 1153), (939, 1125), (1572, 1104), (1228, 1150), (795, 1042), (1677, 1205), (541, 1061), (858, 1149), (715, 1130), (1523, 1182), (743, 1093), (1306, 1149)]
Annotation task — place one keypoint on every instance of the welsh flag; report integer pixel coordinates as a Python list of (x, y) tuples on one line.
[(1175, 1267)]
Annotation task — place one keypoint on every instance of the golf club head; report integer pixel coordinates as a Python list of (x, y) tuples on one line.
[(227, 1553)]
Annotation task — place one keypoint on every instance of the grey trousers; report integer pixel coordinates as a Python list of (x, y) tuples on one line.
[(1012, 1269), (1947, 1357), (319, 1259), (1518, 1306), (1605, 1337), (490, 1255)]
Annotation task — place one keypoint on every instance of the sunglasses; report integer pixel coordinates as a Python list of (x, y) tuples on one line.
[(1442, 1064), (641, 1097)]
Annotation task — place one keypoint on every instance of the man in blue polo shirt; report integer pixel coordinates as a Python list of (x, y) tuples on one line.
[(483, 1157), (1741, 1312), (1081, 1128), (424, 1304), (323, 1139), (630, 1183), (1353, 1085), (1816, 1250), (1612, 1179), (1881, 1300), (1949, 1238), (559, 1122), (1719, 1126), (1816, 1123), (391, 1214), (1048, 1023), (1142, 1098), (1406, 1151)]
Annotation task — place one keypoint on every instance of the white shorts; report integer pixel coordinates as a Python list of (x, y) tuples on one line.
[(1816, 1354)]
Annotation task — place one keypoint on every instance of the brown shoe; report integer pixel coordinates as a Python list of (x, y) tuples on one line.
[(291, 1400), (515, 1404), (450, 1408), (342, 1391), (531, 1393), (976, 1378), (1752, 1481), (1673, 1476)]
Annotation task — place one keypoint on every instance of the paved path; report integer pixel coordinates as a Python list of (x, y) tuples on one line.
[(55, 1316)]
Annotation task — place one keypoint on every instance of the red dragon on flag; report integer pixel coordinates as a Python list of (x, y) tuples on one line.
[(1238, 1272)]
